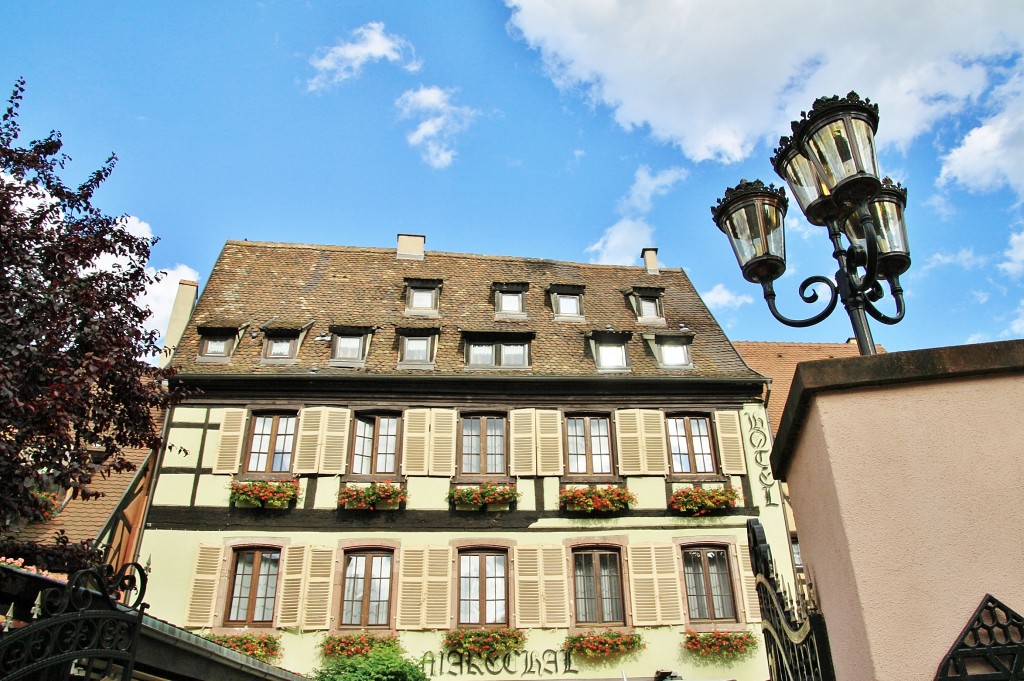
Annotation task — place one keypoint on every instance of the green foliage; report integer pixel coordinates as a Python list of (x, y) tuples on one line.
[(75, 389), (363, 643), (263, 647), (485, 493), (703, 500), (378, 665), (484, 642)]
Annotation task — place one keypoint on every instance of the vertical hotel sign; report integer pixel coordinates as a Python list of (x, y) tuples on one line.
[(757, 436)]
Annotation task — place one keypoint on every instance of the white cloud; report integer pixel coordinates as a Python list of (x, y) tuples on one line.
[(942, 206), (159, 297), (991, 156), (980, 297), (368, 43), (685, 72), (440, 122), (646, 187), (1014, 263), (1017, 324), (965, 258), (621, 243), (721, 298)]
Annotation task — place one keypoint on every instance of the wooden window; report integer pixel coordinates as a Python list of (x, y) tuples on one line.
[(348, 347), (648, 307), (508, 302), (422, 298), (271, 442), (376, 446), (689, 440), (568, 304), (280, 348), (483, 446), (611, 354), (598, 581), (253, 587), (708, 583), (673, 353), (216, 346), (498, 354), (483, 588), (589, 445), (366, 599), (417, 350)]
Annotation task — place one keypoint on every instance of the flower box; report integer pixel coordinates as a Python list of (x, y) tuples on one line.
[(723, 647), (352, 645), (377, 497), (263, 647), (695, 501), (265, 493), (484, 642), (492, 495), (603, 644), (594, 499)]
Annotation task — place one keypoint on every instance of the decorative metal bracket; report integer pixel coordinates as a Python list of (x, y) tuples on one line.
[(990, 648)]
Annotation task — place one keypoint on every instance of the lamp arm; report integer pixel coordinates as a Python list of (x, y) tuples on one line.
[(897, 294), (808, 296)]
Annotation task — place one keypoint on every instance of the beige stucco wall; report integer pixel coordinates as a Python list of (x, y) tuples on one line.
[(908, 503)]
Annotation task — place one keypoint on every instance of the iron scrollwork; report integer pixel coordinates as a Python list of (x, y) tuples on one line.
[(990, 647), (79, 624)]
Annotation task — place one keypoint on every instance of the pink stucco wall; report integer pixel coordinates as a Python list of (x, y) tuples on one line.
[(909, 503)]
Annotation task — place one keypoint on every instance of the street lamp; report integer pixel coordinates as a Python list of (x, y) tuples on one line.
[(832, 169)]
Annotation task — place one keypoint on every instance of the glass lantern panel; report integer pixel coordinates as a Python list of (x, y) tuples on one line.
[(775, 235), (864, 138), (830, 145), (892, 236), (743, 232), (803, 180)]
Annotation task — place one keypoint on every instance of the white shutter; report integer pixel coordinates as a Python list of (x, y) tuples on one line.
[(232, 438), (655, 585), (292, 576), (529, 606), (628, 444), (412, 570), (436, 598), (522, 433), (555, 587), (202, 595), (335, 440), (730, 442), (319, 589), (652, 430), (307, 444), (749, 582), (415, 441), (443, 436), (423, 588), (549, 442)]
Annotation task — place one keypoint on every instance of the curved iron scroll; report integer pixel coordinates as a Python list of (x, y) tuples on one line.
[(808, 295), (796, 640), (990, 648), (80, 624)]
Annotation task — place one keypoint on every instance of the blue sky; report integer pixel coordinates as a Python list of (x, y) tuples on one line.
[(572, 130)]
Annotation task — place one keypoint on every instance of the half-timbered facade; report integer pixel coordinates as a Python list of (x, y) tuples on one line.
[(390, 379)]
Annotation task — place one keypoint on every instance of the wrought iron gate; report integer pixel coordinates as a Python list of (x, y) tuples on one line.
[(794, 630), (76, 631)]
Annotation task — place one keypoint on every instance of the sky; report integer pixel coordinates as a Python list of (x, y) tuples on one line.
[(581, 130)]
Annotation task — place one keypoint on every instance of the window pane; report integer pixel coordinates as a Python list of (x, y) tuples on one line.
[(649, 307), (216, 346), (266, 587), (495, 592), (586, 605), (417, 350), (577, 445), (495, 444), (510, 302), (380, 590), (352, 607), (700, 435), (611, 355), (469, 589), (243, 585), (674, 354), (279, 348), (422, 299), (362, 456), (696, 595), (611, 588), (678, 445), (261, 431), (387, 440), (721, 589), (600, 446), (481, 354), (568, 304), (348, 347), (471, 445), (513, 354), (283, 444)]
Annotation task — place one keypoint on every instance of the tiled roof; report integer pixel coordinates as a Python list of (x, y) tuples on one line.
[(255, 282), (778, 361)]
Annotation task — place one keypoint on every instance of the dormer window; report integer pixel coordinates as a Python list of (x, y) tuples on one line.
[(350, 345), (671, 348), (279, 348), (489, 350), (422, 297), (416, 348), (647, 304), (217, 343), (609, 350), (510, 300), (282, 340), (567, 302)]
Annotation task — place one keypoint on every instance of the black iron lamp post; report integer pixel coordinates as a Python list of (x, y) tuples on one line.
[(832, 169)]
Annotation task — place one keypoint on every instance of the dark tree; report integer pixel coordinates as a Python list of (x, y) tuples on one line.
[(75, 387)]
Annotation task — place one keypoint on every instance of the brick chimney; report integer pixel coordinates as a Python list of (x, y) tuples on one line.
[(650, 258)]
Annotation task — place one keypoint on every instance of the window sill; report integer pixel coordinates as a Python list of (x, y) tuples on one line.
[(347, 363), (488, 367), (481, 478), (424, 366), (394, 478), (212, 359), (707, 626), (614, 370), (698, 477), (284, 361), (569, 318), (570, 479), (651, 321), (585, 627), (255, 476), (413, 312), (675, 367), (511, 316)]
